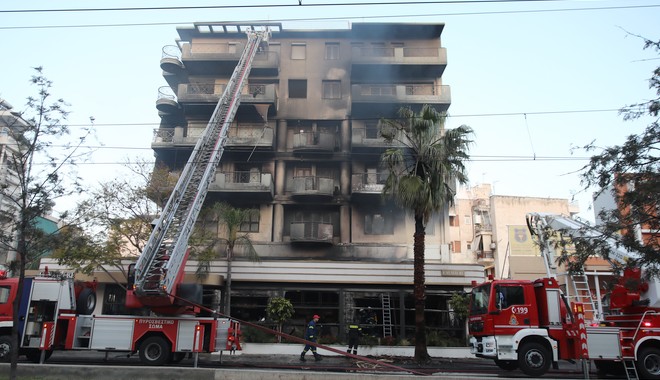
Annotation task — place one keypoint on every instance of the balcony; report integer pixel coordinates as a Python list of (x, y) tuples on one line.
[(203, 97), (311, 232), (250, 136), (304, 141), (243, 185), (221, 58), (311, 186), (368, 99), (398, 62), (367, 184), (241, 135), (170, 60), (167, 102), (485, 257), (369, 138)]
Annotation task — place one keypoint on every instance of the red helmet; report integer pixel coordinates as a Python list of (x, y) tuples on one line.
[(316, 316)]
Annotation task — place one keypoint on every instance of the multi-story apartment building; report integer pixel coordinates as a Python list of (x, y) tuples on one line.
[(9, 181), (304, 150)]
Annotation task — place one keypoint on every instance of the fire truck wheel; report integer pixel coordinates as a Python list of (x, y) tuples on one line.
[(86, 302), (5, 349), (533, 359), (648, 363), (507, 365), (155, 350), (34, 355)]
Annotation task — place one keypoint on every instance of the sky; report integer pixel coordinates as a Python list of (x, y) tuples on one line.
[(534, 79)]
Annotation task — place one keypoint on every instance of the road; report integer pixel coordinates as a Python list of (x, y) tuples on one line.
[(266, 365)]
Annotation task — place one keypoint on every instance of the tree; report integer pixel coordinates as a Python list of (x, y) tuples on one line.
[(232, 218), (279, 310), (46, 173), (424, 165), (630, 174), (117, 220)]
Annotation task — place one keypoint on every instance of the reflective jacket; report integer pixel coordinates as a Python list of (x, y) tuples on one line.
[(312, 332)]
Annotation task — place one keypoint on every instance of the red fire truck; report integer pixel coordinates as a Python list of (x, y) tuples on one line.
[(53, 315), (529, 325), (48, 316)]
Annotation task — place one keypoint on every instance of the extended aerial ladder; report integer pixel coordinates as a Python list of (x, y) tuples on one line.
[(160, 267), (540, 223)]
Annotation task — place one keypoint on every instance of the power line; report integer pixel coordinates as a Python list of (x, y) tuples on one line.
[(559, 112), (338, 17), (292, 5)]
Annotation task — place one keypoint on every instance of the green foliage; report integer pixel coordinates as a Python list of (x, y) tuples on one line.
[(439, 338), (44, 156), (254, 335), (424, 164), (460, 302), (629, 173), (279, 309)]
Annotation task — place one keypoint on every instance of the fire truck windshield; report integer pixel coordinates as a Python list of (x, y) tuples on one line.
[(479, 299)]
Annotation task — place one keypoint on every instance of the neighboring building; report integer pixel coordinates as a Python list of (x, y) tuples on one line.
[(304, 149), (9, 182), (491, 230), (645, 232)]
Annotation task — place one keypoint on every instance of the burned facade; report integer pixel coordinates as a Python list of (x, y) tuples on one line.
[(304, 150)]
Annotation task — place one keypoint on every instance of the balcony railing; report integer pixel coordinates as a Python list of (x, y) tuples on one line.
[(211, 92), (212, 51), (167, 100), (311, 232), (310, 185), (170, 59), (399, 55), (400, 93), (368, 183), (238, 135), (315, 141), (243, 181), (250, 135), (485, 256), (225, 52), (370, 137)]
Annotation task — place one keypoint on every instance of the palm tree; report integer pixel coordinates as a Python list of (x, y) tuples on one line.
[(232, 218), (424, 163)]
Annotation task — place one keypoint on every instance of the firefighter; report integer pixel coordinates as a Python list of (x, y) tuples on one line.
[(354, 332), (312, 334)]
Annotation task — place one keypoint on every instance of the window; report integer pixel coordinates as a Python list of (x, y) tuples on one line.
[(331, 50), (114, 301), (331, 89), (297, 88), (379, 224), (252, 224), (371, 130), (247, 174), (506, 296), (456, 246), (453, 221), (298, 51), (4, 294), (467, 220)]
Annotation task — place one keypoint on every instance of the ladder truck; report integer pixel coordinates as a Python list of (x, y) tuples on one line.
[(530, 325), (55, 313)]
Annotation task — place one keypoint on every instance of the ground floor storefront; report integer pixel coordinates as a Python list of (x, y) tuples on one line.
[(386, 315)]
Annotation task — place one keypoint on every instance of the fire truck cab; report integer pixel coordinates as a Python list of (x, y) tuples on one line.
[(522, 324)]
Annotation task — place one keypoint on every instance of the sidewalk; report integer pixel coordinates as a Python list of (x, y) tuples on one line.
[(378, 351)]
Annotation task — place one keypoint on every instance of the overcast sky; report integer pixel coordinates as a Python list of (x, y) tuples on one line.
[(534, 79)]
